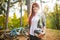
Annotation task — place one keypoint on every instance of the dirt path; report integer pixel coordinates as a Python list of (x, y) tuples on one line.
[(51, 34)]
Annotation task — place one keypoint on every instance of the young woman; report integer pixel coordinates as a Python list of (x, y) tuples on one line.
[(34, 21)]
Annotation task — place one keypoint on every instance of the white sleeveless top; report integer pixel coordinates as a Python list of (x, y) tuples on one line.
[(34, 23)]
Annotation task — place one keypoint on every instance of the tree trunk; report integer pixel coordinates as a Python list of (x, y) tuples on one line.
[(57, 17), (20, 2), (28, 6), (21, 16), (7, 13)]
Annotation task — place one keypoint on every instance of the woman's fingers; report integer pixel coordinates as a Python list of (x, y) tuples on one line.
[(40, 35)]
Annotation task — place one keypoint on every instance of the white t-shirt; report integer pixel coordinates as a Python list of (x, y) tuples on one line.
[(34, 23)]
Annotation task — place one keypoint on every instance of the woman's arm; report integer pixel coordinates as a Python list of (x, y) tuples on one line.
[(43, 26)]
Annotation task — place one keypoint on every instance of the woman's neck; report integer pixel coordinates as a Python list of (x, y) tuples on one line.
[(34, 14)]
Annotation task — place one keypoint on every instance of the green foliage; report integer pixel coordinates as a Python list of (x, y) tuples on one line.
[(53, 19), (2, 21), (14, 22), (25, 19), (3, 6)]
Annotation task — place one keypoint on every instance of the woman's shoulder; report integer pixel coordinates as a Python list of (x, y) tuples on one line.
[(41, 13)]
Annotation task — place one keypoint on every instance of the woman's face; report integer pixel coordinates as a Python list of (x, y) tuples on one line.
[(35, 9)]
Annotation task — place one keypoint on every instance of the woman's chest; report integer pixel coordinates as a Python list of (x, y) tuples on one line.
[(35, 19)]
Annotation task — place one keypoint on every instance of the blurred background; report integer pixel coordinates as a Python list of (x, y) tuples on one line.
[(15, 13)]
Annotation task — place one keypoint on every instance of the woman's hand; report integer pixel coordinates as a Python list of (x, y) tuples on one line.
[(40, 35)]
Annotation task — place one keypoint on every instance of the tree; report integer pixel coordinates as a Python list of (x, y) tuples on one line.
[(57, 16), (7, 13), (28, 6), (20, 2)]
